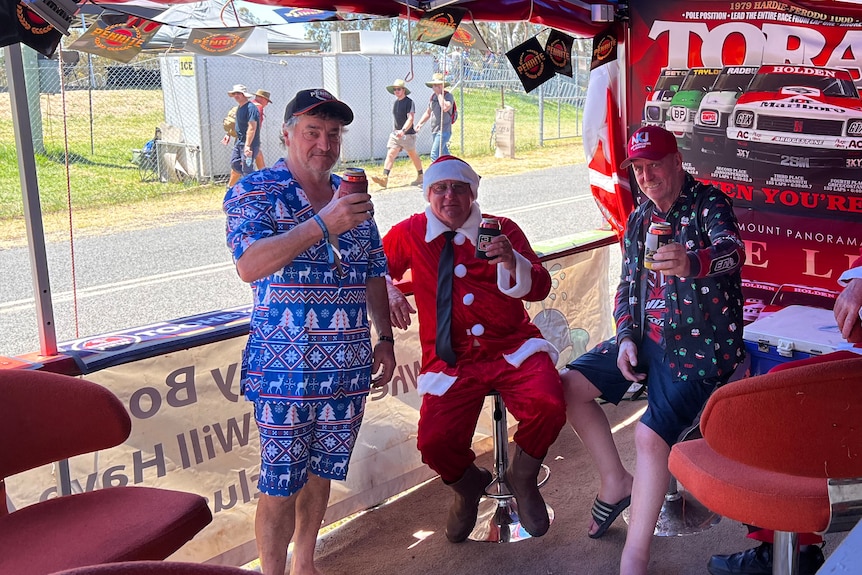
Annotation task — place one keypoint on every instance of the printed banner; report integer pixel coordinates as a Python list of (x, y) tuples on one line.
[(27, 27), (559, 51), (305, 15), (531, 63), (119, 37), (439, 26), (764, 100), (467, 36), (217, 41)]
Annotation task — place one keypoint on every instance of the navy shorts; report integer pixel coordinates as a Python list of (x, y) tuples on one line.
[(672, 405), (238, 159)]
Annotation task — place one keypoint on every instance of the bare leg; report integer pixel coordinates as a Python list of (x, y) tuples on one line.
[(390, 158), (258, 161), (417, 162), (273, 528), (310, 509), (589, 421), (234, 178), (650, 485)]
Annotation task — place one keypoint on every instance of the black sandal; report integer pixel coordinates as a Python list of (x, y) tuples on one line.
[(604, 514)]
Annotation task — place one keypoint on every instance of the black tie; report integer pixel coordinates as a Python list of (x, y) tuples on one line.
[(444, 301)]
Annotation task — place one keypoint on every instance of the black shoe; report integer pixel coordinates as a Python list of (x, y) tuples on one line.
[(758, 561)]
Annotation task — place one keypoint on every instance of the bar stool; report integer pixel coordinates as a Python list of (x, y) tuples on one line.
[(498, 518)]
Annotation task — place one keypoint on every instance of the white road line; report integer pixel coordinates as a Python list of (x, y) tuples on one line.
[(95, 291), (100, 290)]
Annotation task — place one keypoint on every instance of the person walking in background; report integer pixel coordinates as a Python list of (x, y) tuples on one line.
[(247, 135), (313, 259), (439, 111), (261, 100), (476, 337), (678, 315), (403, 136)]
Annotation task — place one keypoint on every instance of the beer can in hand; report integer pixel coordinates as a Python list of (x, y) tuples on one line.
[(488, 230), (659, 234), (353, 181)]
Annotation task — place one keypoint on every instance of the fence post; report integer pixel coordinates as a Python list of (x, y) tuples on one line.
[(541, 115)]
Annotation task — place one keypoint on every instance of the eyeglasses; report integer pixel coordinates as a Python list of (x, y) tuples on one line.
[(398, 89), (458, 188)]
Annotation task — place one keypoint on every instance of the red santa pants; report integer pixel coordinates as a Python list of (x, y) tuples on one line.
[(533, 394)]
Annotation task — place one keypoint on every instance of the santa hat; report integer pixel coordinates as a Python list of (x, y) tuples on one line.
[(450, 168)]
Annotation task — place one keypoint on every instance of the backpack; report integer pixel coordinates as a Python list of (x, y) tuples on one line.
[(229, 122), (454, 111)]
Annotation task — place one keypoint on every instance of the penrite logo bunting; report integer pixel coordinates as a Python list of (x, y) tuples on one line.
[(604, 49), (439, 26), (306, 15), (559, 51), (217, 41), (531, 64), (119, 37), (20, 24), (468, 37)]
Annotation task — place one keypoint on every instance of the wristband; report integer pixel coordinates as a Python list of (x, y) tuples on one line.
[(330, 251), (388, 338)]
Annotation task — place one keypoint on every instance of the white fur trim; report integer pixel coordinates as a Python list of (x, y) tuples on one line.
[(435, 383), (450, 168), (469, 229), (530, 347), (523, 278)]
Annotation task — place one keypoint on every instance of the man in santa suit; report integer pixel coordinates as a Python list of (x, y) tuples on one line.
[(494, 346)]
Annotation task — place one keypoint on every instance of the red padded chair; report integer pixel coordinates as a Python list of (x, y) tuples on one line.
[(47, 417), (155, 568), (780, 451)]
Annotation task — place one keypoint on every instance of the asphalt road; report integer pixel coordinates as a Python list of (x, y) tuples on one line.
[(136, 278)]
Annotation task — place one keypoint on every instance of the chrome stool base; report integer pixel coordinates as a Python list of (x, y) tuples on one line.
[(499, 522), (498, 519), (682, 514)]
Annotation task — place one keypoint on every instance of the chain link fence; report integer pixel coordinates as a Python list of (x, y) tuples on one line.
[(158, 120)]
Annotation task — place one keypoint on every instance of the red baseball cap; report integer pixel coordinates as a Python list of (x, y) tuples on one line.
[(649, 143)]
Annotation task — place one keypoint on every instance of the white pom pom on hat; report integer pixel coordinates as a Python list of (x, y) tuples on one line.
[(450, 168)]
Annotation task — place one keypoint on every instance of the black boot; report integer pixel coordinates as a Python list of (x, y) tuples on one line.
[(521, 477), (758, 561), (465, 506)]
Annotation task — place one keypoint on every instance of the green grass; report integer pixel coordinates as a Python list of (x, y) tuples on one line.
[(104, 176)]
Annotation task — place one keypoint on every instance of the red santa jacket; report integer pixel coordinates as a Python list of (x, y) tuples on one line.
[(488, 315)]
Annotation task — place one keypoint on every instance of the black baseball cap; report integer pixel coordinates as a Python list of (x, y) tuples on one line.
[(307, 100)]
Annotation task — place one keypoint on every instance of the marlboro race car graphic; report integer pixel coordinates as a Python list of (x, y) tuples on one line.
[(710, 123), (799, 116), (658, 102)]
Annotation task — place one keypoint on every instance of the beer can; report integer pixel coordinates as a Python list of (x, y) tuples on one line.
[(659, 234), (353, 181), (488, 230)]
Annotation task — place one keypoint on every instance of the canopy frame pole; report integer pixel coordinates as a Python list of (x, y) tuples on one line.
[(32, 204)]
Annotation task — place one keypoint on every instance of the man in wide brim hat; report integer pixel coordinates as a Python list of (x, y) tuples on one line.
[(240, 89), (399, 83), (437, 79), (263, 94)]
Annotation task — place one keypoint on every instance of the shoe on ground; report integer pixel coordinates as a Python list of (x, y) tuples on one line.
[(381, 181), (758, 561), (418, 181)]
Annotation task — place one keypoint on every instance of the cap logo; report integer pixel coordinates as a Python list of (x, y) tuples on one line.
[(639, 141), (321, 95)]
